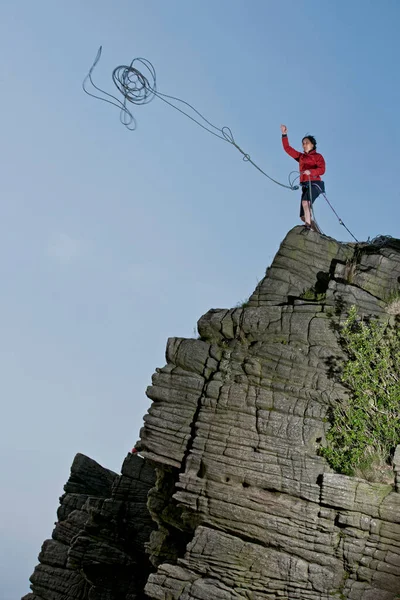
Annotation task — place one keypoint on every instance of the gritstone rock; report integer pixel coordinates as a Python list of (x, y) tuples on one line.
[(232, 500)]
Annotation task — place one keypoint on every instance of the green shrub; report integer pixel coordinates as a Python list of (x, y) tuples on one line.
[(313, 295), (365, 428)]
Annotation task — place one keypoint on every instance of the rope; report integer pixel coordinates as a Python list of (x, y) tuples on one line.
[(382, 240), (293, 179), (310, 204), (138, 88), (334, 211)]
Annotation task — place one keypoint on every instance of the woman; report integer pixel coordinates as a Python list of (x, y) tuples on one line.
[(312, 166)]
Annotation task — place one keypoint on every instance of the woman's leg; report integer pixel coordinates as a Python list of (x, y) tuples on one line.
[(307, 212)]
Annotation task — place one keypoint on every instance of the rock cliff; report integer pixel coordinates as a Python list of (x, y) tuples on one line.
[(97, 546), (232, 500)]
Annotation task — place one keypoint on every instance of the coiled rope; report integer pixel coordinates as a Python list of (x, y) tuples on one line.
[(139, 88)]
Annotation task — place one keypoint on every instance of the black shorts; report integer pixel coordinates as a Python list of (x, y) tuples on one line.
[(317, 188)]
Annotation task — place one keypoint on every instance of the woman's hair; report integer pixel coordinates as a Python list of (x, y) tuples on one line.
[(312, 140)]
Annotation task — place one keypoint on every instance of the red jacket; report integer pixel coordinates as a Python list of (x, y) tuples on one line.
[(308, 161)]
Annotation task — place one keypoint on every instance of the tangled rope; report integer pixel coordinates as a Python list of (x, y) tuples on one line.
[(139, 88), (382, 241), (132, 84)]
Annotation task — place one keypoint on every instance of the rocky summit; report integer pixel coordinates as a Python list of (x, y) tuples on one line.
[(228, 497)]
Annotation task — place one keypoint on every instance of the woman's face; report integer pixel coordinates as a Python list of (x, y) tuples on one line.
[(307, 145)]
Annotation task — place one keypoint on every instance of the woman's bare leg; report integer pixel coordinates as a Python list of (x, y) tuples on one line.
[(307, 212)]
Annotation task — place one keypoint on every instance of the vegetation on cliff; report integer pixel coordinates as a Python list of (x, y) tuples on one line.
[(365, 429)]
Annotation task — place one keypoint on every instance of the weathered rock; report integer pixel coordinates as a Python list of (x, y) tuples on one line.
[(243, 506), (237, 419), (97, 548)]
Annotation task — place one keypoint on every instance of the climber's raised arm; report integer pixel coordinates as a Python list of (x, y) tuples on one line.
[(287, 148)]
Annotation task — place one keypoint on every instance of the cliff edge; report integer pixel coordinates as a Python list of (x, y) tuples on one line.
[(232, 500)]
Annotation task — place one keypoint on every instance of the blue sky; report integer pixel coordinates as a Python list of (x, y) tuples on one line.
[(112, 241)]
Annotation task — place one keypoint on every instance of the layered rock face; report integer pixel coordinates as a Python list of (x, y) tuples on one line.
[(97, 546), (242, 505), (237, 419)]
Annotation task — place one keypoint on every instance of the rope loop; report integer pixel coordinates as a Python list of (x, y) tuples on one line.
[(137, 85)]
